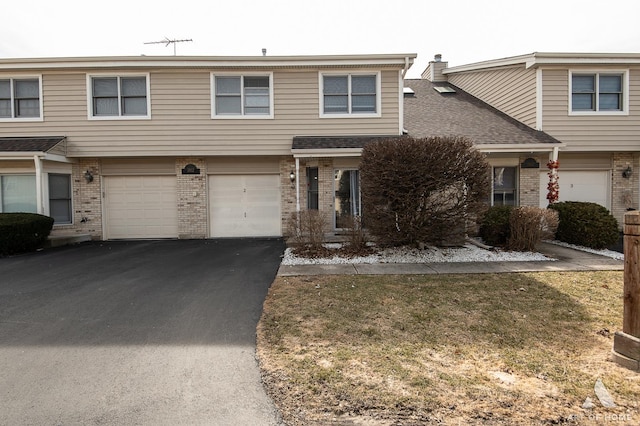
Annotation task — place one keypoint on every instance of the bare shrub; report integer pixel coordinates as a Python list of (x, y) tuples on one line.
[(530, 225), (422, 190), (306, 231), (356, 236)]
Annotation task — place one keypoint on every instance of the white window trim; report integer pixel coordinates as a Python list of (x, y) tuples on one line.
[(13, 77), (506, 164), (117, 117), (378, 112), (242, 115), (597, 72), (46, 197)]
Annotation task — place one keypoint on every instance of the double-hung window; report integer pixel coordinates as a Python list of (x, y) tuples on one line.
[(119, 97), (348, 95), (242, 96), (20, 98), (60, 198), (598, 92), (504, 186)]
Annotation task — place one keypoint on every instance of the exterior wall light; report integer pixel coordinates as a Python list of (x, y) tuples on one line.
[(88, 176), (626, 173), (292, 176)]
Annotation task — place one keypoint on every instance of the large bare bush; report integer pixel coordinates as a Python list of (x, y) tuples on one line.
[(530, 225), (422, 190)]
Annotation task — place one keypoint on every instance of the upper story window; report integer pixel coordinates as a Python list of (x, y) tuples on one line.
[(349, 95), (599, 92), (20, 98), (123, 96), (242, 96)]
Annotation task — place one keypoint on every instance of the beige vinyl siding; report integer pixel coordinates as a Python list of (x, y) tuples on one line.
[(593, 132), (585, 161), (243, 165), (141, 166), (512, 90), (181, 121)]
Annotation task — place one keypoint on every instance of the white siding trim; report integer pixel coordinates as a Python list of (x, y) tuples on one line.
[(539, 99), (400, 103)]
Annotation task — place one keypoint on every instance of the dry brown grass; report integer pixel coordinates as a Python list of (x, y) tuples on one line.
[(509, 349)]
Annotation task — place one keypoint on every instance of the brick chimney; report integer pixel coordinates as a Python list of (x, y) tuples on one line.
[(434, 70)]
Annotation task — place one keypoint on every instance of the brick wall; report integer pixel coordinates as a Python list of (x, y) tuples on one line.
[(529, 189), (193, 217), (325, 189), (624, 191), (288, 191), (87, 201)]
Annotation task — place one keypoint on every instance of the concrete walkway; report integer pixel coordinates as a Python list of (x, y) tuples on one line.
[(567, 260)]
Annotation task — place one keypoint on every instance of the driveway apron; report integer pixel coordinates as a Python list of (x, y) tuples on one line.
[(135, 332)]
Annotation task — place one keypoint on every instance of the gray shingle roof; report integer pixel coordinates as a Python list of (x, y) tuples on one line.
[(334, 142), (429, 113), (28, 144)]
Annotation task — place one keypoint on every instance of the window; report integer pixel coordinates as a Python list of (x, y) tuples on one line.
[(60, 198), (18, 194), (504, 186), (20, 98), (598, 92), (242, 96), (119, 97), (350, 94), (312, 188), (347, 196)]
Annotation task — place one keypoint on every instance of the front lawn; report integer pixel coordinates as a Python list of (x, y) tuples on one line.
[(503, 349)]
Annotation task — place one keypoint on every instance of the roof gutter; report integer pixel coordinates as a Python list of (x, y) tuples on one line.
[(542, 147), (326, 152)]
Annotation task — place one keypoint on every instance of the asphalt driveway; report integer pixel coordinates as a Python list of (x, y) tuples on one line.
[(144, 332)]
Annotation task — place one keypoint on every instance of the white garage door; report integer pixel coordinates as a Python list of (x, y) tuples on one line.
[(244, 205), (592, 186), (141, 207)]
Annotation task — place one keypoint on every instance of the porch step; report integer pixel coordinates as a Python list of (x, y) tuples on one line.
[(63, 240)]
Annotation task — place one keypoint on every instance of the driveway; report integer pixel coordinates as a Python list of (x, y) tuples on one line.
[(145, 332)]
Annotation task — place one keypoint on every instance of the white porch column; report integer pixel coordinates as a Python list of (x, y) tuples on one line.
[(297, 185), (39, 191)]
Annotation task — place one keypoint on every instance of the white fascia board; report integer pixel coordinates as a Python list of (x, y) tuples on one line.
[(515, 60), (57, 158), (396, 60), (330, 152), (512, 148), (21, 155), (546, 58)]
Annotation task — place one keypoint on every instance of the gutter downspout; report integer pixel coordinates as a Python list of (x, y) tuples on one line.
[(401, 97), (406, 66), (39, 192)]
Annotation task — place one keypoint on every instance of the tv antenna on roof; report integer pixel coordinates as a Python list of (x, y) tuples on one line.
[(167, 42)]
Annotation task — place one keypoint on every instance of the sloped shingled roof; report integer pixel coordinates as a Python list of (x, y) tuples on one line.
[(334, 142), (28, 144), (430, 113)]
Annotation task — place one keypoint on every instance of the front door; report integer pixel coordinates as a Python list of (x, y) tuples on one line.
[(347, 196)]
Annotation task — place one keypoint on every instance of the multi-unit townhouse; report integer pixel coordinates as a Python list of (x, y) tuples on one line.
[(191, 147), (589, 102)]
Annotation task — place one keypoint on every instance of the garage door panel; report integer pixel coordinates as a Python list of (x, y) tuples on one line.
[(244, 205), (586, 186), (141, 207)]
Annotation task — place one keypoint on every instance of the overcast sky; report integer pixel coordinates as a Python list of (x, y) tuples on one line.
[(463, 31)]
